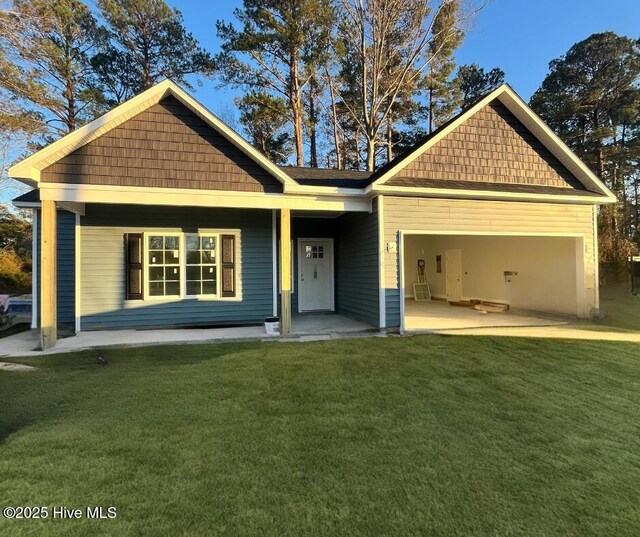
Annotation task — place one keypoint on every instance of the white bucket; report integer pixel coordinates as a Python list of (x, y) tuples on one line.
[(272, 326)]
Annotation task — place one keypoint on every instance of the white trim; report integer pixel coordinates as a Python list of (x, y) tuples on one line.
[(182, 265), (78, 273), (596, 260), (521, 110), (35, 273), (401, 269), (494, 233), (31, 167), (198, 198), (26, 204), (459, 193), (382, 298), (332, 282), (274, 249)]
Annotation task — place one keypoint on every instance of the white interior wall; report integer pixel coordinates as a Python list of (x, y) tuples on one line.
[(546, 267)]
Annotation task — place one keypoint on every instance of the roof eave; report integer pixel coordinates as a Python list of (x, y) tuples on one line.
[(491, 195)]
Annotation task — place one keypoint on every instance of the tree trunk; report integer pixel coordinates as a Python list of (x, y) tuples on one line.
[(295, 98), (313, 121), (371, 153), (389, 138), (334, 118)]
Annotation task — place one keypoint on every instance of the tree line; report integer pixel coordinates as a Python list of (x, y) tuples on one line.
[(345, 84)]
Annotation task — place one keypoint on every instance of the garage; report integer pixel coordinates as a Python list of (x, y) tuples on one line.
[(539, 278)]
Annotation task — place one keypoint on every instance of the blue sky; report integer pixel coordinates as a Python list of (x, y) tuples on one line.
[(519, 36)]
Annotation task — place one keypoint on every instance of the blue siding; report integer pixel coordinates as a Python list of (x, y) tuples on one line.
[(392, 305), (103, 271), (357, 267), (66, 268)]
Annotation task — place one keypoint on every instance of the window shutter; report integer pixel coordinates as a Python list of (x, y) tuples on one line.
[(134, 251), (228, 265)]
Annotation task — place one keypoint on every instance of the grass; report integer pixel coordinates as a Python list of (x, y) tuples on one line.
[(621, 308), (428, 435)]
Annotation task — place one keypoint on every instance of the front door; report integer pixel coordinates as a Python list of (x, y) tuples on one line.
[(453, 272), (315, 275)]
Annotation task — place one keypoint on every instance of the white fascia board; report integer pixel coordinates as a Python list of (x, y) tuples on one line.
[(490, 195), (29, 168), (198, 198), (326, 190), (538, 128)]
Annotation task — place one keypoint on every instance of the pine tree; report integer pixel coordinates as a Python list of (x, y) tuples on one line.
[(591, 98), (274, 50), (442, 94), (45, 52), (147, 42), (473, 82), (264, 119)]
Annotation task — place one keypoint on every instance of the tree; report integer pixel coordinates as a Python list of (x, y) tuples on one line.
[(264, 118), (147, 43), (388, 43), (591, 98), (442, 94), (275, 50), (473, 82), (45, 52)]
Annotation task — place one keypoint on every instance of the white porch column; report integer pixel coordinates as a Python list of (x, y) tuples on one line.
[(285, 271), (48, 276)]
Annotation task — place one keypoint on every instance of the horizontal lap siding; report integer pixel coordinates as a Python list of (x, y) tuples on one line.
[(65, 265), (473, 216), (357, 267), (103, 286)]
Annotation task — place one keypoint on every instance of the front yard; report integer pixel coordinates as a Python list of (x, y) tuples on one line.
[(428, 435)]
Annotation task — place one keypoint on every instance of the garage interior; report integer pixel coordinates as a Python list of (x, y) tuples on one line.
[(538, 277)]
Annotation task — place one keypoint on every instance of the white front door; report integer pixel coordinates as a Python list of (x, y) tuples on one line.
[(315, 274), (453, 271)]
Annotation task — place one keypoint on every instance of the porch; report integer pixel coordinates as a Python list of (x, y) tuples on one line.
[(303, 328)]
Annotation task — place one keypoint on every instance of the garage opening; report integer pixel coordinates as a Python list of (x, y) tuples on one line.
[(533, 275)]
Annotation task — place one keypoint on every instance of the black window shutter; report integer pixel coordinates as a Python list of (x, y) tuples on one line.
[(133, 248), (228, 265)]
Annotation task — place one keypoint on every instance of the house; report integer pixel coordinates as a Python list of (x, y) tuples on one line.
[(158, 214)]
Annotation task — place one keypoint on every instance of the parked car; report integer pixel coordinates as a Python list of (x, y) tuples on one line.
[(15, 310)]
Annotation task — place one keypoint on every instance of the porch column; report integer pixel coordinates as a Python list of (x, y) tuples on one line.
[(48, 278), (285, 271)]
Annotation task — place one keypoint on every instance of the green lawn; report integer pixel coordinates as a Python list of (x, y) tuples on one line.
[(620, 307), (428, 435)]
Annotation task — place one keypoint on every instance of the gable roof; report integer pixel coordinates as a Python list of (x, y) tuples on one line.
[(516, 106), (29, 169)]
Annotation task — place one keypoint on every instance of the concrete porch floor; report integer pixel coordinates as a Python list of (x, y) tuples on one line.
[(438, 315), (304, 328)]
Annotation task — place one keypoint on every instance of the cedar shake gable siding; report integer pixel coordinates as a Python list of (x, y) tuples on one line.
[(492, 146), (167, 146)]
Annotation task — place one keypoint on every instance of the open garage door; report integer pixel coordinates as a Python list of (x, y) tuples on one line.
[(532, 274)]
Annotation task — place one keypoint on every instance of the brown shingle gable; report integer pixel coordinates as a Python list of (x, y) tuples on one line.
[(167, 146), (492, 146)]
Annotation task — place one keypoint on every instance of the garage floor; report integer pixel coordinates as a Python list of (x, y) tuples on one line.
[(439, 315)]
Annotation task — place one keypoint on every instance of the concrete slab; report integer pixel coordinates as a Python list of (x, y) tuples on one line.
[(304, 328), (439, 315), (20, 368)]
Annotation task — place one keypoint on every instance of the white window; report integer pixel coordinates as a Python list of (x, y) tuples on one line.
[(184, 265), (164, 265), (202, 265)]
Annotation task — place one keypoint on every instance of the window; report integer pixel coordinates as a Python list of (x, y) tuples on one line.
[(314, 252), (164, 265), (180, 265), (202, 265)]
